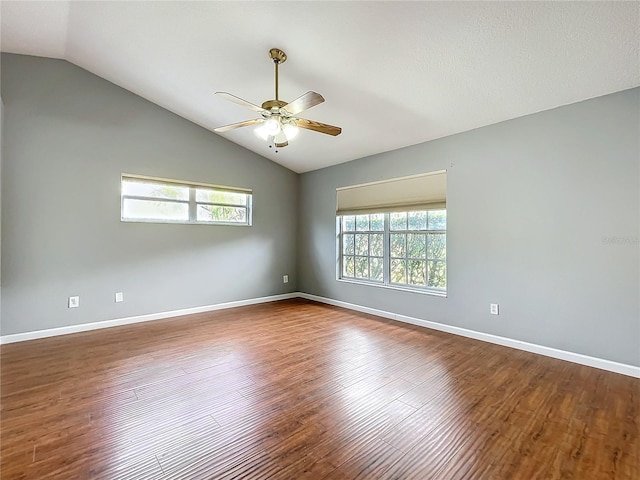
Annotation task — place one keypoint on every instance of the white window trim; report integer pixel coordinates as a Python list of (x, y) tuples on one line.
[(191, 202), (393, 286)]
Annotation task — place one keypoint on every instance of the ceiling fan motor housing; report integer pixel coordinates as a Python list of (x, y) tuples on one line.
[(269, 104)]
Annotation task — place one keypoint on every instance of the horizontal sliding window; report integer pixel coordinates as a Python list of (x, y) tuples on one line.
[(145, 199)]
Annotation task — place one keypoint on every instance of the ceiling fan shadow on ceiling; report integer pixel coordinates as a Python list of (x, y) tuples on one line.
[(278, 122)]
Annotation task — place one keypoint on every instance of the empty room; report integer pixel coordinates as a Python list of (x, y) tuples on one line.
[(319, 240)]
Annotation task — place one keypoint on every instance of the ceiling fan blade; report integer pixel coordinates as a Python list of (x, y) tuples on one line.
[(317, 126), (280, 140), (240, 101), (233, 126), (304, 102)]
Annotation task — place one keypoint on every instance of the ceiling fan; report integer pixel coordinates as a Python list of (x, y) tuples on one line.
[(278, 119)]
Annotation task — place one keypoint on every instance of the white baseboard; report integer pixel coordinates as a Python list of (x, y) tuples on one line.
[(85, 327), (595, 362)]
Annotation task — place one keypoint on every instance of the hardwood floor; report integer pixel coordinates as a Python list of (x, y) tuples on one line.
[(299, 390)]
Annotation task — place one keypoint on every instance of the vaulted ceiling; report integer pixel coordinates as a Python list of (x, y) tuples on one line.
[(393, 73)]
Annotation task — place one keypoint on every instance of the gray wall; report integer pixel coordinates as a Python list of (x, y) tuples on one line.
[(1, 155), (543, 218), (68, 137)]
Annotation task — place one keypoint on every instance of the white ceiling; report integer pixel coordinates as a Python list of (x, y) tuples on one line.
[(392, 73)]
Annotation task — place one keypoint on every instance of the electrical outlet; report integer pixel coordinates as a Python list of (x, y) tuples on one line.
[(119, 297), (74, 302), (285, 279), (494, 309)]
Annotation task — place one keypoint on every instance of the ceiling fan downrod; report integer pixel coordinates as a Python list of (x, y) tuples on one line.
[(278, 57)]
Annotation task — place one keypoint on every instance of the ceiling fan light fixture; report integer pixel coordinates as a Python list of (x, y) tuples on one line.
[(272, 126), (290, 131)]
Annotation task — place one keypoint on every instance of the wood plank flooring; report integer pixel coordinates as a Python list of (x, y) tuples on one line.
[(300, 390)]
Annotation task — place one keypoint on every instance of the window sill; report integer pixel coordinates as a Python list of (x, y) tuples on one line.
[(433, 293), (181, 222)]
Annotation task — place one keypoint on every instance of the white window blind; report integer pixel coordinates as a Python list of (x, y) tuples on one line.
[(417, 192)]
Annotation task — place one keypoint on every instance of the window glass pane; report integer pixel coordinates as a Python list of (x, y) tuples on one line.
[(398, 221), (155, 190), (398, 271), (398, 241), (347, 267), (362, 244), (417, 220), (348, 244), (416, 245), (134, 208), (417, 272), (362, 267), (377, 222), (437, 246), (349, 223), (376, 265), (215, 213), (217, 196), (437, 219), (437, 271), (375, 244), (362, 223)]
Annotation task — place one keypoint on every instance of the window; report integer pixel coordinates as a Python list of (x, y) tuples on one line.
[(393, 232), (399, 249), (145, 199)]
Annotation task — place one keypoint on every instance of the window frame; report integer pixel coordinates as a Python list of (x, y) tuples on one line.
[(387, 256), (192, 203)]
